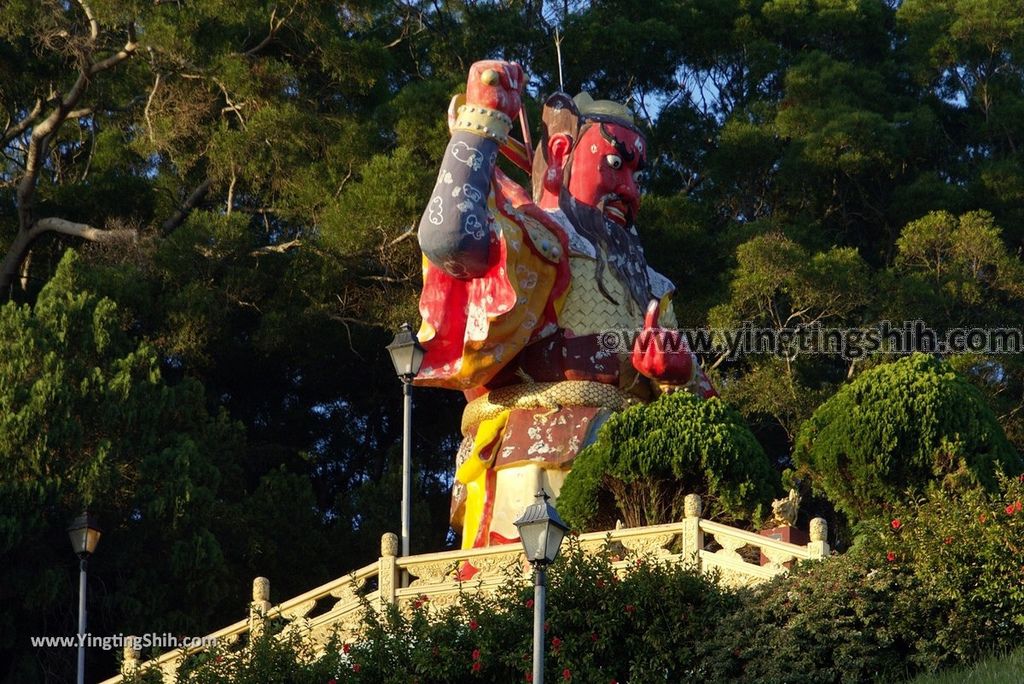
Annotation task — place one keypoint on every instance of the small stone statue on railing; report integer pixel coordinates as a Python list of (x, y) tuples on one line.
[(785, 510)]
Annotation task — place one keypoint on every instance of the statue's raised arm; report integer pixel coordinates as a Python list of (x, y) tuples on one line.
[(454, 231)]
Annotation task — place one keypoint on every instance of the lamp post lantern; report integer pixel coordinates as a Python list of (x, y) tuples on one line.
[(541, 531), (407, 356), (85, 535)]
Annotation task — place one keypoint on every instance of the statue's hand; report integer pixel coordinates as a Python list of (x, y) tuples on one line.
[(496, 85), (662, 354)]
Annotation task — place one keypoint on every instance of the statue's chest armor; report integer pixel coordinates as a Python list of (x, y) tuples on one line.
[(587, 310)]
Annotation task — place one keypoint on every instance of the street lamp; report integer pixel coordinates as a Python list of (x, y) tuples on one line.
[(85, 535), (407, 356), (541, 531)]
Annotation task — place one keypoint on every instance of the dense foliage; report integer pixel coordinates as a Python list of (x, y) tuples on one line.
[(896, 428), (939, 584), (647, 458), (240, 179)]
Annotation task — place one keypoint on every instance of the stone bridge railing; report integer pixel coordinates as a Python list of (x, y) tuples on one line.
[(339, 606)]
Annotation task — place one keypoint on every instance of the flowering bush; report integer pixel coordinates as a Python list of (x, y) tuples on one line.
[(940, 582)]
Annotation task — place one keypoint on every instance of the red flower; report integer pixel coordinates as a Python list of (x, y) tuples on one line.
[(896, 524), (556, 644), (529, 676), (593, 636), (1020, 478), (547, 626), (477, 666), (529, 603), (947, 540), (600, 584), (1017, 506), (473, 624), (219, 659), (566, 674), (1010, 510), (332, 681), (356, 667), (345, 648), (891, 556), (982, 518), (630, 608), (476, 654)]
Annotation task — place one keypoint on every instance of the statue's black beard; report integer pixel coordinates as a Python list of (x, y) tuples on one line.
[(618, 250)]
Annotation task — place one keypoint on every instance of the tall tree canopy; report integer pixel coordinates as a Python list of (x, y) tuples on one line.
[(241, 179)]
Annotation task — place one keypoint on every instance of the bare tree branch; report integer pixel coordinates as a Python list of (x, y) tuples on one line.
[(409, 233), (82, 230), (274, 28), (277, 249), (11, 266), (149, 103), (17, 129), (182, 213)]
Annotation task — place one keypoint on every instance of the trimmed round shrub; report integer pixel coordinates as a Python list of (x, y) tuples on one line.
[(880, 439), (647, 458)]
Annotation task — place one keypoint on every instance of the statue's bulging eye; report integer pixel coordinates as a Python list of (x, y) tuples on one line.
[(614, 161), (636, 176)]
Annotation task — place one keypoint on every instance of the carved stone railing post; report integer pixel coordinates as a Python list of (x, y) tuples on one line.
[(818, 546), (132, 655), (693, 537), (259, 607), (387, 570)]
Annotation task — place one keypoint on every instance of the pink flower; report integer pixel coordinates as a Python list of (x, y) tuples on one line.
[(556, 644), (477, 666), (476, 654), (891, 556), (896, 524), (529, 603), (1010, 510), (566, 674)]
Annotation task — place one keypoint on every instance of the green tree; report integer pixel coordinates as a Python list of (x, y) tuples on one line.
[(647, 458), (882, 438), (98, 429)]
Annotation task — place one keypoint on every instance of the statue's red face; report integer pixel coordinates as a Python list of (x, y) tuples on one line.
[(605, 163)]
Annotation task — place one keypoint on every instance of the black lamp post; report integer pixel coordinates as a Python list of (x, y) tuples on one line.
[(407, 356), (85, 535), (541, 531)]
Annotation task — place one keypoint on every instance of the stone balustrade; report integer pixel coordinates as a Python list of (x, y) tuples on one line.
[(339, 606)]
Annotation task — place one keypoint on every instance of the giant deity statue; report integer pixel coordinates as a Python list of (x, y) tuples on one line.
[(520, 291)]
